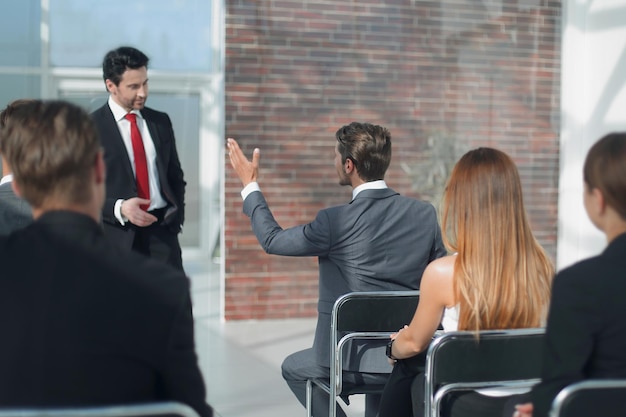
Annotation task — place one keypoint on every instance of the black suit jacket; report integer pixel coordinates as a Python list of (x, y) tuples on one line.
[(86, 323), (15, 213), (586, 331), (120, 180)]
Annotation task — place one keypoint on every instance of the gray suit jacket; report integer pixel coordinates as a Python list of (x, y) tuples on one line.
[(379, 241), (15, 213)]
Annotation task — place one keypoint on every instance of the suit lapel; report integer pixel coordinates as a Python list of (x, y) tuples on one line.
[(154, 132), (111, 132)]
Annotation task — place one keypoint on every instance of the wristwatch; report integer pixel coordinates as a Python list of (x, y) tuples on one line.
[(388, 351)]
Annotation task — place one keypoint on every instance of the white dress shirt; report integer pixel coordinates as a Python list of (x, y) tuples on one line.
[(371, 185), (156, 199), (6, 178)]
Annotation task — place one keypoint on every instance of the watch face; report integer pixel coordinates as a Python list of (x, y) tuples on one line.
[(388, 350)]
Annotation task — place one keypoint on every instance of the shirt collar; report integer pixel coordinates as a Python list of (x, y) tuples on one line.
[(6, 178), (371, 185), (118, 111)]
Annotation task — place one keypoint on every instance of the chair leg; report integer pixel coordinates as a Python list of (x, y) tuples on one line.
[(309, 395)]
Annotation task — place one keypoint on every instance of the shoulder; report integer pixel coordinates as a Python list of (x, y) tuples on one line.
[(442, 267), (598, 275), (438, 278), (101, 112), (154, 115), (418, 205), (580, 271)]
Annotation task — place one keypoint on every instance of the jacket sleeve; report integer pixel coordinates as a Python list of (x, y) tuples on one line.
[(312, 239), (175, 175)]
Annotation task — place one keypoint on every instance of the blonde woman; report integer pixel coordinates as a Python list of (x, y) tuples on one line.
[(498, 278)]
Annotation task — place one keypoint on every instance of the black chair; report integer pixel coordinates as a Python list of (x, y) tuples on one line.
[(359, 316), (459, 361), (593, 397), (160, 409)]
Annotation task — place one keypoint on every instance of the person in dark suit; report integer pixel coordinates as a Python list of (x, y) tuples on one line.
[(380, 240), (144, 208), (586, 331), (83, 322), (15, 213)]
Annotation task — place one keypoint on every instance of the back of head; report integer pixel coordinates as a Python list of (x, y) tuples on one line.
[(502, 275), (117, 61), (369, 148), (5, 116), (605, 169), (8, 111), (52, 147)]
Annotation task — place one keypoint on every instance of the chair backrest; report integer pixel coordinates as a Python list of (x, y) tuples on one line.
[(464, 360), (593, 397), (161, 409), (368, 317), (384, 311)]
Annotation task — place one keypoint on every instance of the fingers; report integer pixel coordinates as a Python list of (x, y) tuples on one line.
[(234, 152), (135, 214), (143, 219), (256, 155), (238, 159)]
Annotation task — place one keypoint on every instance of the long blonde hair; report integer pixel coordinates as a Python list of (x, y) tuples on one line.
[(502, 276)]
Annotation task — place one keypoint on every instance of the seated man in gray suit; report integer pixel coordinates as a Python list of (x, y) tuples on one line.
[(378, 241), (15, 212)]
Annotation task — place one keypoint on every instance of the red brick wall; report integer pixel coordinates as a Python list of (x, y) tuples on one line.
[(443, 76)]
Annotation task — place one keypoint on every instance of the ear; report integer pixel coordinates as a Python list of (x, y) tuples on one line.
[(598, 201), (348, 166), (110, 85), (100, 168), (16, 188)]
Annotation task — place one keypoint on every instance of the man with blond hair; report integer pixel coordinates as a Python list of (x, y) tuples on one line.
[(84, 322)]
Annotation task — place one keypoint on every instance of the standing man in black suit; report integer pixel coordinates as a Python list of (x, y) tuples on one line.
[(144, 208), (84, 322), (15, 213), (378, 241)]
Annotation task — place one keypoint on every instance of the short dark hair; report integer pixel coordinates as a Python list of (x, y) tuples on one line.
[(51, 147), (605, 169), (368, 146), (117, 61)]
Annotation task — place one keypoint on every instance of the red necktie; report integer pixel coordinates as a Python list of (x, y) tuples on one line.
[(141, 165)]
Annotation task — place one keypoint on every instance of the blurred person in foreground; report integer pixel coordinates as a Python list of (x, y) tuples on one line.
[(15, 213), (498, 277), (84, 322), (378, 241), (586, 331)]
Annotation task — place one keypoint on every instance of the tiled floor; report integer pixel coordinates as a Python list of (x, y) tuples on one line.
[(241, 360)]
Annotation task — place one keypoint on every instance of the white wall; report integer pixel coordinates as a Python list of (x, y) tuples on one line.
[(593, 103)]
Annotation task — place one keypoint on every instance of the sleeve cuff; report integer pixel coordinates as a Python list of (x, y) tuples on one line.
[(249, 189), (117, 211)]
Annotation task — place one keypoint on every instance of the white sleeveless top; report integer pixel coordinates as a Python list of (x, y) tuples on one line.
[(450, 323)]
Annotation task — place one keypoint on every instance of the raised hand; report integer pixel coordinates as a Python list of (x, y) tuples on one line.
[(246, 170)]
